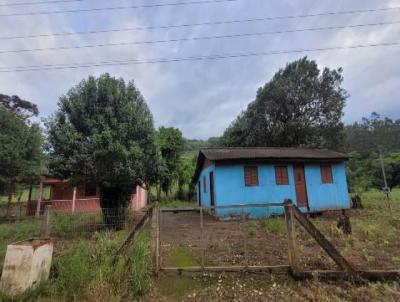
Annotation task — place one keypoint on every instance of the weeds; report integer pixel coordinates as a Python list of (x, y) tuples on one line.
[(252, 228), (274, 225)]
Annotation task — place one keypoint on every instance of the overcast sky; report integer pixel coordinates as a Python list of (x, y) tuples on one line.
[(202, 97)]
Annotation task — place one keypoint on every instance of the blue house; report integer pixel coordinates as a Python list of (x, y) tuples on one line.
[(314, 179)]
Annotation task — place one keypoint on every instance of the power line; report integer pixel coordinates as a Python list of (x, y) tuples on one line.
[(39, 2), (180, 59), (199, 38), (115, 8), (203, 23)]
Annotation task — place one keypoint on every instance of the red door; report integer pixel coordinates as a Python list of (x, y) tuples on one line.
[(300, 184)]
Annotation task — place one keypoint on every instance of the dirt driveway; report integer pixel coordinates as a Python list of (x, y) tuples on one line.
[(263, 242)]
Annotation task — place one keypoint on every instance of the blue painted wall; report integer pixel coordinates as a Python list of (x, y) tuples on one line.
[(205, 196), (230, 189)]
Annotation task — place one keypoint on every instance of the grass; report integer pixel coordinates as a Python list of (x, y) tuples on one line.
[(179, 256), (177, 204), (83, 268), (25, 194), (274, 225), (16, 231)]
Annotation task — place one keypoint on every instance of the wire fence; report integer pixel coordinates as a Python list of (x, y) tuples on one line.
[(81, 224), (256, 236)]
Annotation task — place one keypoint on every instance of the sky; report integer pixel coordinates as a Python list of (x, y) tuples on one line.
[(201, 97)]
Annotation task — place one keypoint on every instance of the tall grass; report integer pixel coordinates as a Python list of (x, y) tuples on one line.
[(86, 271)]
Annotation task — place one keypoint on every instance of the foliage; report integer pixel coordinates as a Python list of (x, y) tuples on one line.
[(21, 151), (170, 145), (372, 132), (23, 108), (300, 106), (197, 144), (103, 133)]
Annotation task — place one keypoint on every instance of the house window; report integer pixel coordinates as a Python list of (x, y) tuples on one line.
[(251, 176), (90, 190), (204, 184), (281, 175), (326, 174)]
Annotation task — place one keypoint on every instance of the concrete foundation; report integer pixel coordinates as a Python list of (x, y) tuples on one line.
[(27, 263)]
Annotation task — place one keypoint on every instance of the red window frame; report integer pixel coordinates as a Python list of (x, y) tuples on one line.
[(281, 175), (251, 176), (326, 174)]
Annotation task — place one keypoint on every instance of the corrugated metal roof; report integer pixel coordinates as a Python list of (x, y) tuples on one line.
[(270, 153), (266, 154)]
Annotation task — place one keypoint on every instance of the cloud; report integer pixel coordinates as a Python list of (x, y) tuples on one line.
[(203, 97)]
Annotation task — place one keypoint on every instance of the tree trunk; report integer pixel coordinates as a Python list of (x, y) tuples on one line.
[(114, 203), (19, 202), (28, 205), (10, 196)]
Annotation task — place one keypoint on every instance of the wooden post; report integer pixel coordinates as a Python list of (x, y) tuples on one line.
[(73, 200), (203, 246), (158, 244), (244, 234), (326, 245), (153, 242), (46, 223), (39, 199), (291, 237), (9, 202)]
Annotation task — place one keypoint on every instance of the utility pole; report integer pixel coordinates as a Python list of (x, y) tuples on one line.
[(386, 188)]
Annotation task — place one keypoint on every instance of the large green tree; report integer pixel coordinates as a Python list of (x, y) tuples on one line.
[(300, 106), (23, 108), (170, 144), (103, 134), (20, 153)]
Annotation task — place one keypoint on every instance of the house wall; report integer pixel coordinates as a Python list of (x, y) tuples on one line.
[(205, 196), (139, 198), (322, 197), (230, 189)]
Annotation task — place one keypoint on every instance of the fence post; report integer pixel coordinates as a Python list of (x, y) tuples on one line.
[(73, 200), (158, 243), (244, 234), (203, 246), (292, 248), (39, 199), (46, 223), (154, 237)]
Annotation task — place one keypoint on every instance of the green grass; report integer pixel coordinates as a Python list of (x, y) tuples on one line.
[(86, 271), (177, 204), (16, 231), (274, 225), (25, 194), (375, 199), (179, 256)]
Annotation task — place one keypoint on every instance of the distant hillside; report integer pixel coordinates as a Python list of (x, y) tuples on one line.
[(194, 145)]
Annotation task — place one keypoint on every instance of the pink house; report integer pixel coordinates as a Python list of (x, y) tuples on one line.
[(64, 197)]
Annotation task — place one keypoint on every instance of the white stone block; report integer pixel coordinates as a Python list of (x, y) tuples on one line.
[(27, 263)]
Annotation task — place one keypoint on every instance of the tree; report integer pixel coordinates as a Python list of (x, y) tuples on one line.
[(300, 106), (103, 134), (186, 171), (391, 162), (170, 144), (23, 108), (20, 153), (372, 132)]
